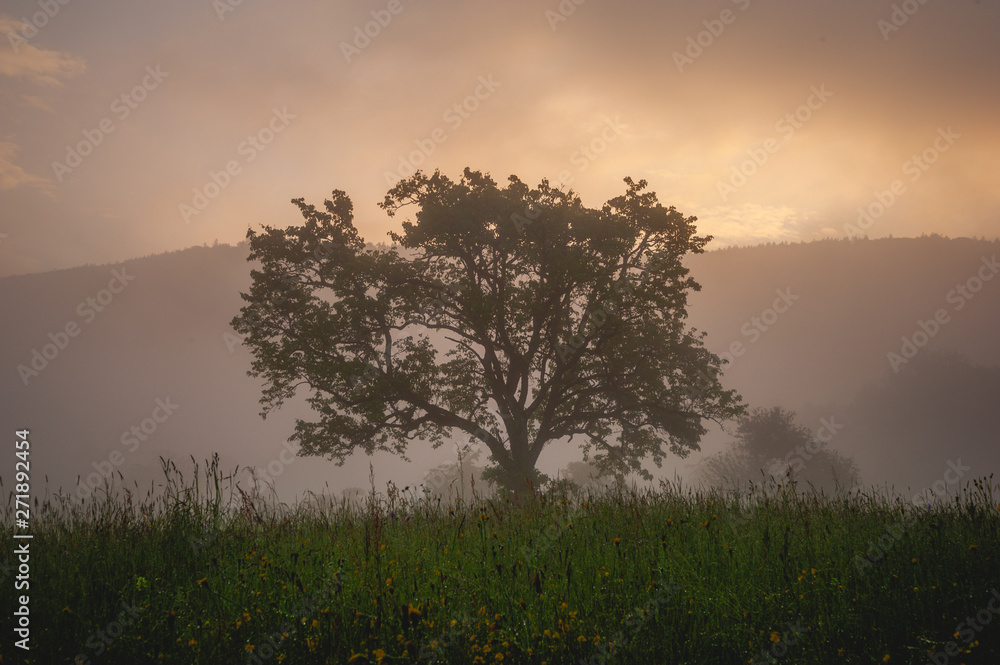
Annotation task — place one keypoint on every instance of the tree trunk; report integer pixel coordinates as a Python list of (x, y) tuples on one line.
[(520, 480), (521, 477)]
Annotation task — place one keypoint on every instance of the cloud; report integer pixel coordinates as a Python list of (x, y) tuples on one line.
[(13, 176), (751, 223), (38, 103), (35, 64), (9, 25)]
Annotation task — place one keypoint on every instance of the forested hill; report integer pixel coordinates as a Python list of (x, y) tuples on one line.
[(854, 303), (141, 361)]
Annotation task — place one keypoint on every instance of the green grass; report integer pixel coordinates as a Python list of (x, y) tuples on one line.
[(215, 575)]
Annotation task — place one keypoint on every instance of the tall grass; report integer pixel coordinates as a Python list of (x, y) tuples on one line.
[(202, 570)]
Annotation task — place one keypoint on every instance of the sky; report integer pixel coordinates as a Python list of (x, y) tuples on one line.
[(135, 128)]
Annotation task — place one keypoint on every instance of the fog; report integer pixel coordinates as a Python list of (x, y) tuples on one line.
[(155, 370), (843, 156)]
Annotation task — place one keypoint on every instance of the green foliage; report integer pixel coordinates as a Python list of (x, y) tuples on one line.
[(221, 575), (516, 316), (768, 434)]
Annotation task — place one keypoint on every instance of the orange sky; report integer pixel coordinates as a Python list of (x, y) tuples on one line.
[(768, 121)]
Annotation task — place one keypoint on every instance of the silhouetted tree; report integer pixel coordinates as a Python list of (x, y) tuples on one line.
[(770, 433), (825, 469), (769, 442), (514, 315), (731, 468), (586, 475), (459, 478)]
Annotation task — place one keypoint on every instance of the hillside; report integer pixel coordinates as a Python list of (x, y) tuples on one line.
[(165, 336)]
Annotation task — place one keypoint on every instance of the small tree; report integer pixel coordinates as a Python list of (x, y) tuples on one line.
[(586, 475), (459, 478), (822, 469), (767, 434), (768, 441), (514, 315), (730, 468)]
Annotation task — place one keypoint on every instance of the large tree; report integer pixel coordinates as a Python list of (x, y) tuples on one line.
[(516, 315)]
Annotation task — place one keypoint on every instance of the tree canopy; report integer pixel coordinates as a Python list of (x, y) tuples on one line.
[(514, 315)]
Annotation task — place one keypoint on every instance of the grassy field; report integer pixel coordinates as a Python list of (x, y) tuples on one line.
[(206, 573)]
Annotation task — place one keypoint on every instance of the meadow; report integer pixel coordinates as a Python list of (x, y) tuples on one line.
[(206, 571)]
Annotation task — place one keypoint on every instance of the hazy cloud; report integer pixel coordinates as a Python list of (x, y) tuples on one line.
[(12, 175), (37, 103), (37, 65), (752, 223), (684, 131)]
